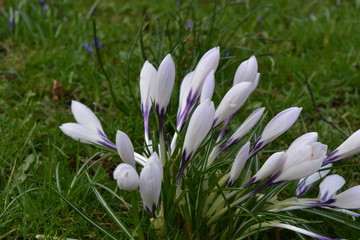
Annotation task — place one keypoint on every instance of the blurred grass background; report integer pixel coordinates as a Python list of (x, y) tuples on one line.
[(44, 65)]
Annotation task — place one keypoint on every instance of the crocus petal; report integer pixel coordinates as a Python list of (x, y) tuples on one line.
[(272, 165), (277, 126), (84, 116), (247, 71), (298, 171), (239, 163), (306, 183), (208, 87), (165, 84), (208, 62), (232, 101), (348, 148), (184, 91), (125, 148), (148, 78), (127, 177), (330, 185), (348, 199), (199, 126), (80, 133), (150, 183), (247, 125)]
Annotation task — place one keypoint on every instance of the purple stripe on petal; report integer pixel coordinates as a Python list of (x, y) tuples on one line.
[(107, 144), (332, 157), (184, 161)]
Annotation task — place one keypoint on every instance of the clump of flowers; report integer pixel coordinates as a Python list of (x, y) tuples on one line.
[(193, 180)]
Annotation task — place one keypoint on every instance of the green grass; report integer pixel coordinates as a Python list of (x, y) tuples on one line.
[(44, 66)]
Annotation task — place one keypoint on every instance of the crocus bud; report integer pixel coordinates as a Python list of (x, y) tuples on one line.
[(87, 129), (239, 162), (150, 183), (165, 84), (199, 126), (208, 87), (350, 147), (246, 126), (184, 90), (348, 199), (232, 101), (207, 63), (329, 186), (277, 126), (306, 183), (127, 177), (247, 71), (125, 148), (148, 78), (273, 164)]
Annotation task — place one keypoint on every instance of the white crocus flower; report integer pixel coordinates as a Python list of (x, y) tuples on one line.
[(88, 128), (271, 165), (247, 71), (239, 162), (199, 126), (277, 126), (208, 87), (209, 62), (164, 85), (348, 148), (190, 95), (148, 82), (126, 176), (246, 126), (329, 186), (148, 78), (184, 93), (150, 183), (232, 101), (306, 183), (302, 159), (125, 148)]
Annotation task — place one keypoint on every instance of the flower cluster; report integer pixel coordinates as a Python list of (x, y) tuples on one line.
[(201, 137)]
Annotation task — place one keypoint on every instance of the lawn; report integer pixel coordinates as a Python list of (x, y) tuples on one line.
[(44, 65)]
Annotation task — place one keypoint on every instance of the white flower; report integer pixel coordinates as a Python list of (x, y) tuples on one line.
[(246, 126), (239, 162), (247, 71), (150, 183), (184, 93), (329, 186), (303, 158), (148, 78), (232, 101), (165, 84), (348, 148), (277, 126), (88, 128), (273, 164), (126, 176), (125, 148), (208, 87), (199, 126), (306, 183), (208, 62)]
